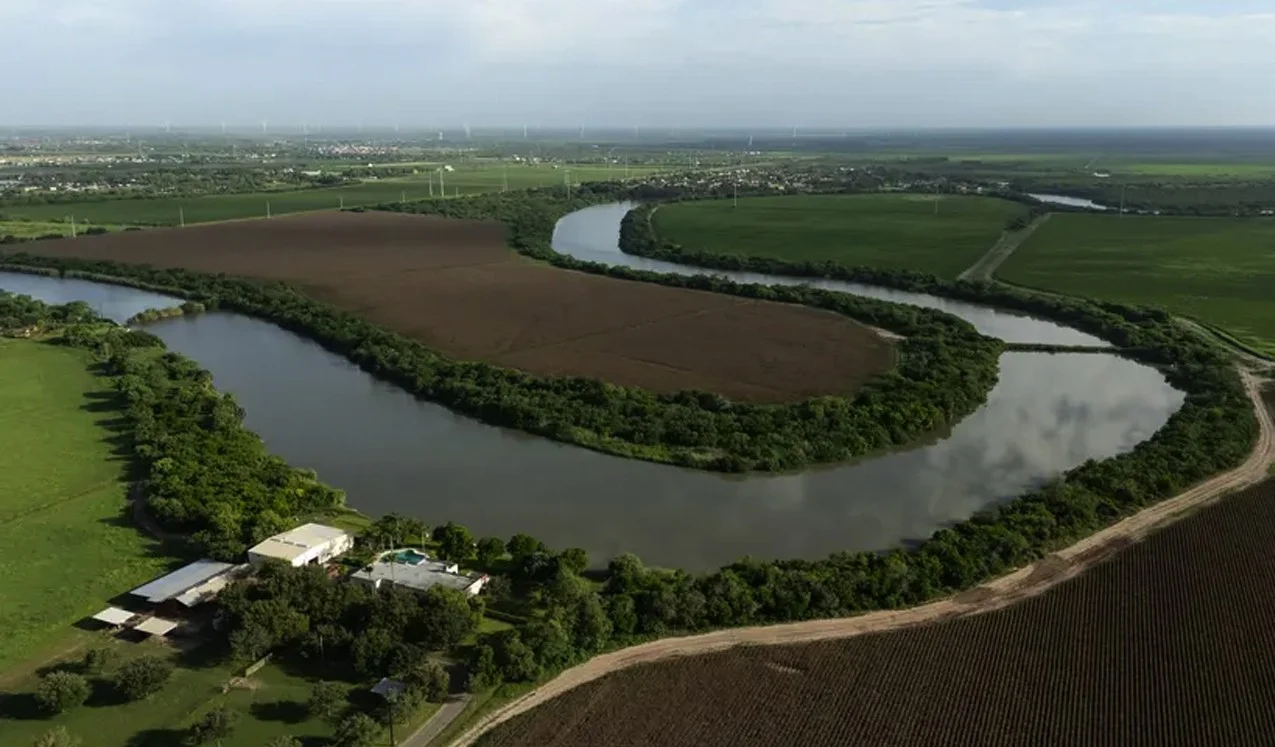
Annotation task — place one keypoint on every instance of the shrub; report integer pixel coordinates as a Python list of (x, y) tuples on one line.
[(216, 725), (98, 660), (61, 691), (327, 701), (357, 730), (142, 676)]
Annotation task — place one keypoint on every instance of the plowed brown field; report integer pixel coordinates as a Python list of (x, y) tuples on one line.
[(456, 287), (1168, 641)]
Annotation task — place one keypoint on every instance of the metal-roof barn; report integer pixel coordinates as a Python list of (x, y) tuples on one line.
[(181, 580)]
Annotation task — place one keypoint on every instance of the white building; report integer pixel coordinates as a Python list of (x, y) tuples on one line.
[(308, 544)]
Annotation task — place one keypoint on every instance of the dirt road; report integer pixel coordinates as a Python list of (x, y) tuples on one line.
[(441, 719), (986, 266), (994, 595)]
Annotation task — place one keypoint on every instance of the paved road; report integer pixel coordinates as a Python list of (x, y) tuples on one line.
[(436, 723)]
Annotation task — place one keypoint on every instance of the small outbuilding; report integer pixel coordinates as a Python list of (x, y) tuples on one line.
[(114, 616), (157, 626), (388, 688), (307, 544)]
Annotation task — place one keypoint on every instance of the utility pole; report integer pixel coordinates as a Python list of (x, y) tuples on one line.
[(72, 226), (268, 208), (342, 202), (505, 186), (1123, 187), (181, 216), (402, 196), (431, 183)]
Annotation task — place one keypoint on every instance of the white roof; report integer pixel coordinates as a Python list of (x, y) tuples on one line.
[(207, 590), (157, 626), (294, 542), (114, 616), (181, 580)]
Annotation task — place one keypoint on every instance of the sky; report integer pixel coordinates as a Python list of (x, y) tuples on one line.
[(683, 63)]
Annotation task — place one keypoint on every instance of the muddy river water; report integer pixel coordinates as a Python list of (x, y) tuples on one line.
[(391, 452)]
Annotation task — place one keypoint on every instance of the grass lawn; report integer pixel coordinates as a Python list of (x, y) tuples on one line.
[(64, 547), (270, 704), (899, 231), (1220, 271), (167, 211)]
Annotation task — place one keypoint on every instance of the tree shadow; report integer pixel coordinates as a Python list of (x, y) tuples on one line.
[(157, 738), (286, 711), (21, 707), (105, 694)]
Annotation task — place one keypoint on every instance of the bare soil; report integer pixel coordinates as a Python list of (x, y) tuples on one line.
[(883, 685), (455, 286)]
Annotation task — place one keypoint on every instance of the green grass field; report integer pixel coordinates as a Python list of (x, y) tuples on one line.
[(272, 704), (29, 229), (469, 179), (898, 231), (1220, 271), (64, 547)]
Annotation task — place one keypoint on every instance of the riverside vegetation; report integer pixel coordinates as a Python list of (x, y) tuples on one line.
[(562, 619)]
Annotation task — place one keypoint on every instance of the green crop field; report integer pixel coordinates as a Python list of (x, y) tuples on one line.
[(1220, 271), (900, 231), (166, 211), (64, 549), (29, 229)]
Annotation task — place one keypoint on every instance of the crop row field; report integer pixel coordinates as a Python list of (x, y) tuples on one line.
[(1169, 642), (65, 547), (171, 211), (1220, 271), (939, 234), (455, 286)]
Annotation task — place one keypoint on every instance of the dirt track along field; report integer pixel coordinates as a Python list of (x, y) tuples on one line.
[(1047, 652), (455, 286)]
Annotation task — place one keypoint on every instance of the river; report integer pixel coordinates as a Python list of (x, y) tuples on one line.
[(391, 452)]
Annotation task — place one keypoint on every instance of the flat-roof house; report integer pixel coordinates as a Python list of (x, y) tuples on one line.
[(307, 544), (190, 584), (420, 576)]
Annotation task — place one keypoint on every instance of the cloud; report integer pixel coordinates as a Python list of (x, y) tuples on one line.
[(944, 61)]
